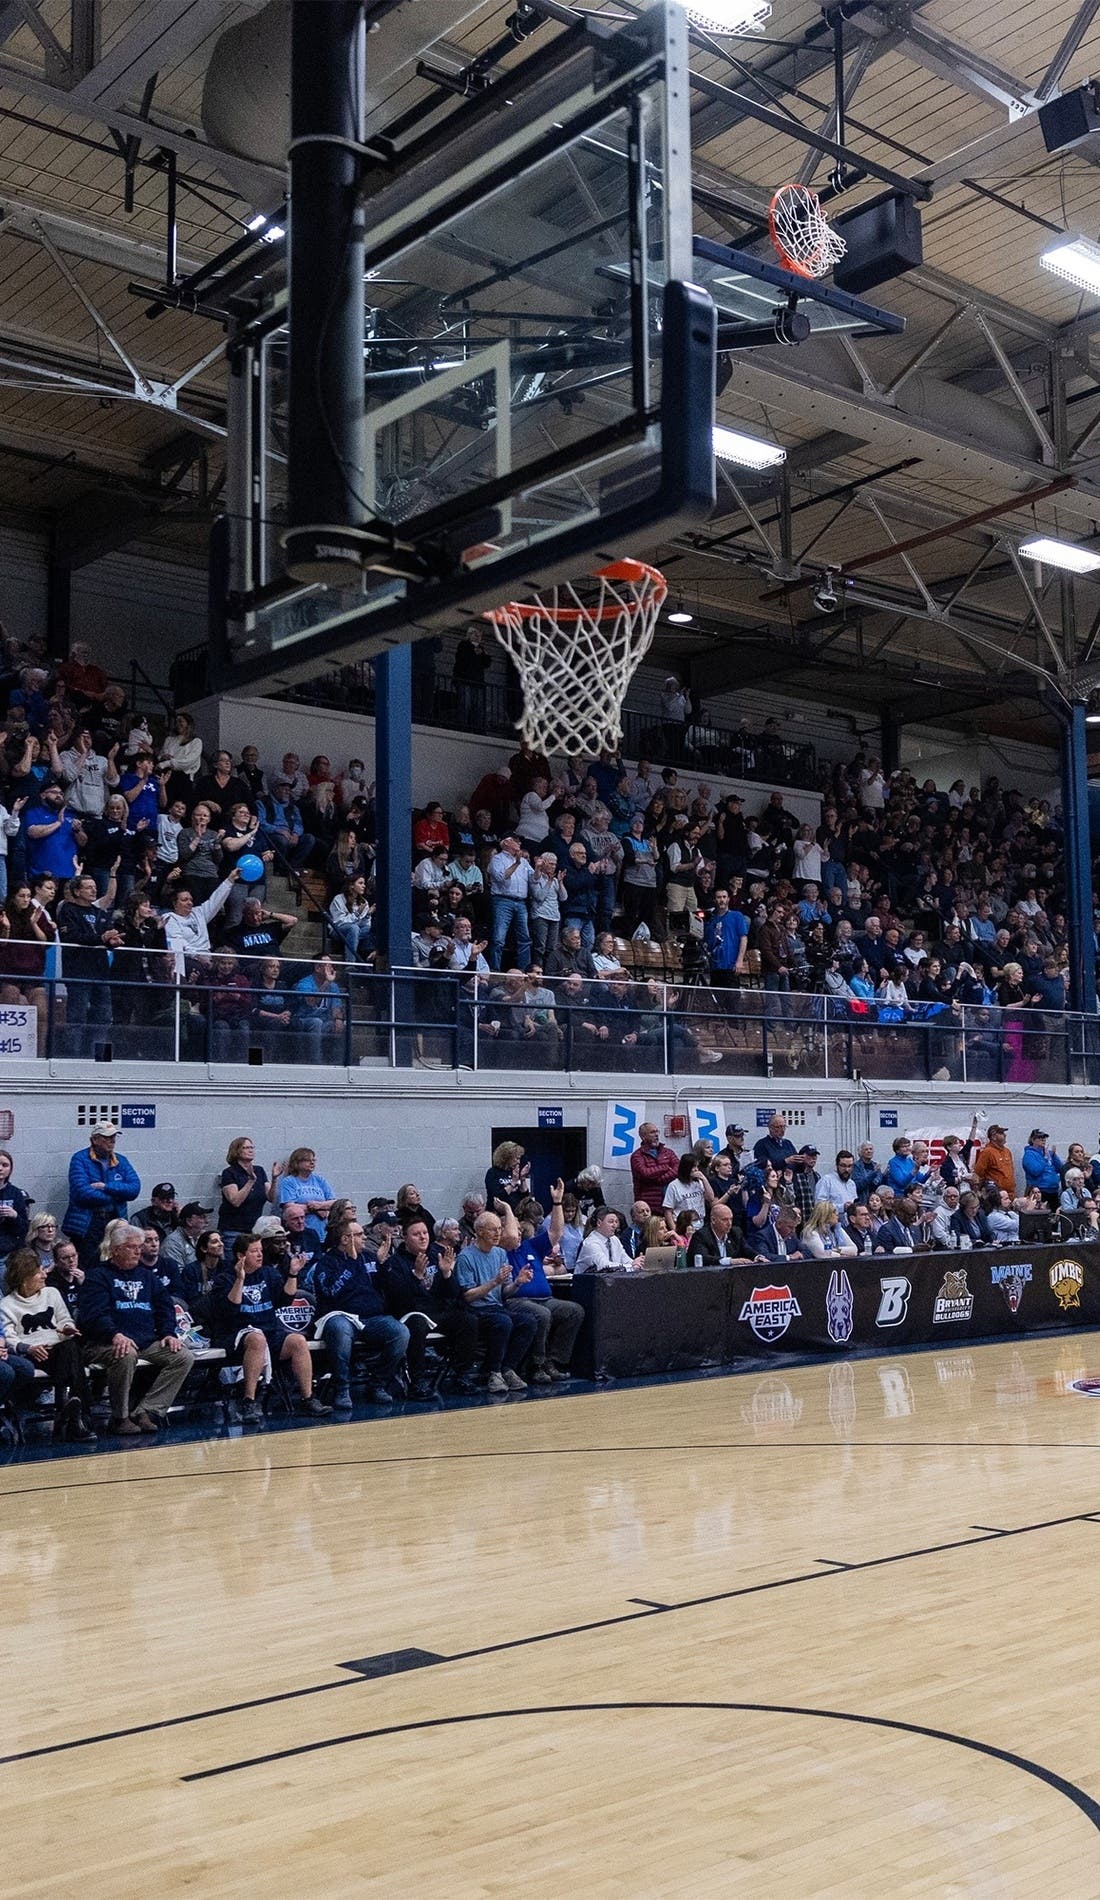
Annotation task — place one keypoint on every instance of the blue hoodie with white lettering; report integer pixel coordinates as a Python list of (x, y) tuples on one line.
[(134, 1301)]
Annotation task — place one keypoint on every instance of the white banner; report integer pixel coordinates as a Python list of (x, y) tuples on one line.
[(707, 1121), (18, 1030), (620, 1133)]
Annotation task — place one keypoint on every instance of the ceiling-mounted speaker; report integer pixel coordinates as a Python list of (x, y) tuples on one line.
[(884, 240), (1071, 117)]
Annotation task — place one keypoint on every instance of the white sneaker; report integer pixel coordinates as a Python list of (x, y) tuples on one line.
[(495, 1383), (513, 1382)]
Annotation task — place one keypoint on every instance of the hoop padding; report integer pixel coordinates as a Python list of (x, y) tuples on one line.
[(576, 658), (804, 239)]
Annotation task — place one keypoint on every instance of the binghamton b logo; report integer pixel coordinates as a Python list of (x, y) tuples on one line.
[(954, 1301), (1067, 1277)]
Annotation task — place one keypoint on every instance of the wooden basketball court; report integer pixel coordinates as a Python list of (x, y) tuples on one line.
[(816, 1632)]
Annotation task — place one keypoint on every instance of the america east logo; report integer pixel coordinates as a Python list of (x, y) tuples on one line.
[(770, 1310), (1012, 1281)]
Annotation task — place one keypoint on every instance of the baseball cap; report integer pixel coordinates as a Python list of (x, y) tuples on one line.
[(379, 1201), (995, 1128), (1039, 1134), (734, 1128), (105, 1128), (809, 1149), (164, 1191), (193, 1207)]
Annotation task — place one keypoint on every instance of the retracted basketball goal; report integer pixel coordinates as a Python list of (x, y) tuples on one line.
[(576, 656)]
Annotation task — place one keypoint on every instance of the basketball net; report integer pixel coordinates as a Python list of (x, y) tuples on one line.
[(576, 658), (804, 239)]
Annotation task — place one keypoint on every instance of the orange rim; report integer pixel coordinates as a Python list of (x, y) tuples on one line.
[(626, 569), (788, 262)]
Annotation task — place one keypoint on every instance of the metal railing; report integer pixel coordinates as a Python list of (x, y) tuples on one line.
[(454, 705), (139, 1006)]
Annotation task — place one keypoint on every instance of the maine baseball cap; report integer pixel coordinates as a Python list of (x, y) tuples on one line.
[(734, 1128), (164, 1191)]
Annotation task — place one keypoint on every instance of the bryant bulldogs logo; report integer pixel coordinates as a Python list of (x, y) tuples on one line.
[(770, 1310), (1066, 1280), (954, 1301), (1012, 1281), (839, 1303)]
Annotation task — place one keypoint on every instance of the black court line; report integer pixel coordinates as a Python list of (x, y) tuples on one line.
[(572, 1629), (210, 1475), (1082, 1801)]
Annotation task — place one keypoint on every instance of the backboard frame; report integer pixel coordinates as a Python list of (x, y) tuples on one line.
[(572, 83)]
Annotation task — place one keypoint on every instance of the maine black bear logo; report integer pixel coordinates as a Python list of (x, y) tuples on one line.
[(38, 1322)]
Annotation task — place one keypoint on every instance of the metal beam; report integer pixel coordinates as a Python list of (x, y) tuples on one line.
[(963, 68), (161, 32), (865, 55), (1074, 34)]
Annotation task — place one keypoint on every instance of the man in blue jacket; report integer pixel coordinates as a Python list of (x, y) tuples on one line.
[(126, 1311), (1042, 1167), (350, 1306), (101, 1185)]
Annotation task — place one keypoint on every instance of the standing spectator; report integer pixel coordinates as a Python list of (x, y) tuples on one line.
[(54, 837), (86, 774), (144, 791), (675, 711), (86, 927), (127, 1311), (558, 1321), (245, 1188), (220, 789), (351, 1305), (187, 925), (246, 1299), (471, 664), (726, 934), (15, 1208), (181, 754), (199, 852), (35, 1321), (866, 1173), (547, 888), (101, 1186), (839, 1186), (509, 1177), (652, 1167), (774, 1149), (689, 1188), (639, 877), (302, 1185), (510, 878), (1042, 1170), (994, 1163)]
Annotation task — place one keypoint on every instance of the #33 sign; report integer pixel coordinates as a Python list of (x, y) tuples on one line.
[(18, 1030)]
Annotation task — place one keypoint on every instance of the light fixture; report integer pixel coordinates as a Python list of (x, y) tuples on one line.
[(269, 233), (1078, 261), (1060, 554), (681, 616), (1092, 719), (728, 16), (746, 450)]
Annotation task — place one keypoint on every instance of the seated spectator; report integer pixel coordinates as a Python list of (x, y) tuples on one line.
[(423, 1293), (483, 1269), (245, 1301), (822, 1234), (859, 1227), (162, 1211), (179, 1248), (228, 1006), (1075, 1196), (570, 958), (220, 789), (304, 1237), (718, 1240), (351, 1305), (191, 1282), (778, 1239), (410, 1207), (898, 1233), (431, 830), (37, 1324), (126, 1312), (281, 826), (259, 933), (603, 1251), (272, 1010), (187, 925), (1002, 1221), (350, 916)]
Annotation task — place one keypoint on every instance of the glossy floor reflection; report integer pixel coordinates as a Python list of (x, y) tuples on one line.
[(819, 1630)]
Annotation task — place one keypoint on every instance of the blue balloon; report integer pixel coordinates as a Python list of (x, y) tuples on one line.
[(251, 867)]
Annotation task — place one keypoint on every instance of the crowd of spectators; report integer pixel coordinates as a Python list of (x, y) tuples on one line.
[(121, 846), (478, 1297)]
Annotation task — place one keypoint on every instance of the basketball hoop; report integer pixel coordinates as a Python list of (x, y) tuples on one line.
[(576, 658), (804, 239)]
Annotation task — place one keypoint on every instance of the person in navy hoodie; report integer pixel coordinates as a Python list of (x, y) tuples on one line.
[(422, 1292), (126, 1312), (245, 1300), (351, 1305)]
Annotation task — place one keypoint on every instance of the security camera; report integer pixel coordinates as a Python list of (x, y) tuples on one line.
[(825, 596)]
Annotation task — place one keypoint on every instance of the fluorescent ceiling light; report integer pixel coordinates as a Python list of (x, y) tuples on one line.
[(747, 450), (681, 617), (271, 232), (728, 16), (1078, 261), (1060, 554), (1092, 719)]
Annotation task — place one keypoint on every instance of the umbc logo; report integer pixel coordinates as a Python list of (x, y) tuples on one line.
[(1067, 1278), (1012, 1281), (770, 1310), (839, 1304), (954, 1301)]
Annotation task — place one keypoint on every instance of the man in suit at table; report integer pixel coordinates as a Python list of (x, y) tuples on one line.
[(778, 1240), (718, 1241), (858, 1225), (900, 1231)]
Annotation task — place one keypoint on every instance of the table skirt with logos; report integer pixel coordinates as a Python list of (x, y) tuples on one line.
[(638, 1324)]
